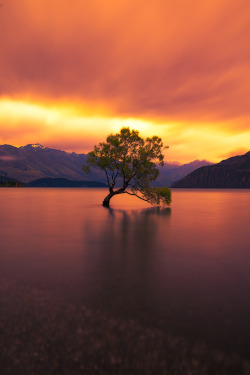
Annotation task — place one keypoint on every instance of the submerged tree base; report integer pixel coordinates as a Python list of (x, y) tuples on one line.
[(106, 201)]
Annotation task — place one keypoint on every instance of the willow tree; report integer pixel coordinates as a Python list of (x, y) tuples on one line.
[(130, 162)]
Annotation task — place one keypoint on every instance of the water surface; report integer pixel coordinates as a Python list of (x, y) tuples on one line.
[(184, 269)]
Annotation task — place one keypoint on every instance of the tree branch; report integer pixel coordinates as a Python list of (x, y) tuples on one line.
[(138, 196), (107, 177), (114, 176), (133, 174)]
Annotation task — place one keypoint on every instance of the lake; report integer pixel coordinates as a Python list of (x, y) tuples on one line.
[(184, 269)]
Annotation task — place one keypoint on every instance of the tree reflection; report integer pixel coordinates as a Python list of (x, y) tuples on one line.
[(120, 251)]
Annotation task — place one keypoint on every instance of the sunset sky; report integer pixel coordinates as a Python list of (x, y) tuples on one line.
[(72, 72)]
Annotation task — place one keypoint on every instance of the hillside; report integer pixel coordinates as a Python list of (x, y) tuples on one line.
[(232, 173), (63, 182), (10, 182)]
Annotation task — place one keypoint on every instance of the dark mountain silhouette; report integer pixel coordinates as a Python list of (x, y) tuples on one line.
[(10, 182), (63, 182), (232, 173), (33, 162), (4, 179)]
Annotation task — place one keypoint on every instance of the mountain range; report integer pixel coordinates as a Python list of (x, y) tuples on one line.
[(232, 173), (35, 162)]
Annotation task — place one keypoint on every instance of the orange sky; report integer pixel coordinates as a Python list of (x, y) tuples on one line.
[(74, 71)]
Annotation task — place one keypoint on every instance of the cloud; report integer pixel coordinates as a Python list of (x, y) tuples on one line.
[(164, 59), (59, 125), (183, 67)]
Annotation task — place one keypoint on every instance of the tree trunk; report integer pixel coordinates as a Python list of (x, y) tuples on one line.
[(106, 201)]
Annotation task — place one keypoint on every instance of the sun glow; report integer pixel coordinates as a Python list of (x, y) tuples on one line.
[(72, 127), (18, 110), (65, 125)]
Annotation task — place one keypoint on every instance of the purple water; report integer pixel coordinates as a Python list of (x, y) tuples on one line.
[(184, 269)]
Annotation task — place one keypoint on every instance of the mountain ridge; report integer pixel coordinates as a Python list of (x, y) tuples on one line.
[(231, 173)]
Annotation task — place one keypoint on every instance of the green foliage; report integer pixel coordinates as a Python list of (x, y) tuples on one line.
[(160, 196), (131, 160)]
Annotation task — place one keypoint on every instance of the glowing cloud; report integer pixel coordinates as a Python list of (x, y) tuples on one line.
[(77, 70)]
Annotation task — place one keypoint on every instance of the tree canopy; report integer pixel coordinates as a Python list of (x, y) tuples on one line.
[(130, 162)]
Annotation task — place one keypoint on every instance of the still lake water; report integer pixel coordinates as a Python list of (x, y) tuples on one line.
[(184, 269)]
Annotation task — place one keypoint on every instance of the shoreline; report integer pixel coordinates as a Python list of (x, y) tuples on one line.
[(40, 335)]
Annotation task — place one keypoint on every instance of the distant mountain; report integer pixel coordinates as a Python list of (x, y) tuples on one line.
[(34, 161), (232, 173), (171, 173), (63, 182)]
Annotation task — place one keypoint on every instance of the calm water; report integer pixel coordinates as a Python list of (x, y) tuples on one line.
[(185, 270)]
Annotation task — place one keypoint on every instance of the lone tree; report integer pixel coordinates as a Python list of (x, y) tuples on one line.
[(131, 162)]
